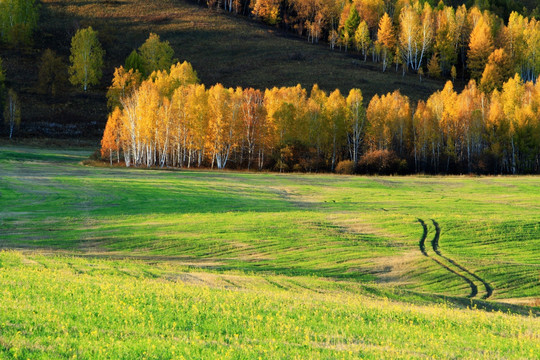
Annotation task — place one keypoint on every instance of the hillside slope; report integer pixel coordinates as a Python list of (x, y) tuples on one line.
[(232, 50)]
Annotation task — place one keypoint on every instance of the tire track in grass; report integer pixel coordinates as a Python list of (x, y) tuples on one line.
[(472, 285), (435, 245), (423, 238)]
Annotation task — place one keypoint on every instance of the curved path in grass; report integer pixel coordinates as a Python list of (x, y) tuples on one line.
[(435, 245), (423, 238), (422, 244)]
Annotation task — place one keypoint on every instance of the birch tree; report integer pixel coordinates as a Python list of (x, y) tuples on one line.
[(386, 39), (532, 36), (221, 126), (416, 33), (356, 122), (86, 58), (362, 40), (336, 114), (253, 115), (409, 34), (12, 112), (123, 84)]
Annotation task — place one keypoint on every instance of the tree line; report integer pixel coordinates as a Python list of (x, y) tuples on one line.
[(413, 35), (171, 120)]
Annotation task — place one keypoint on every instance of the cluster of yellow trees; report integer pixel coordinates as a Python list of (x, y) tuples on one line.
[(171, 120), (411, 33), (471, 131)]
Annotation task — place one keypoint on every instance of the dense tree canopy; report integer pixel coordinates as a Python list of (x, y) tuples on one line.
[(170, 119), (411, 33)]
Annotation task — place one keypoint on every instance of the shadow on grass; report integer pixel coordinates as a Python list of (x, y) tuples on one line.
[(40, 156), (463, 302)]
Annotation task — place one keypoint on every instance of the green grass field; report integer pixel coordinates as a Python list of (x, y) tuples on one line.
[(130, 263)]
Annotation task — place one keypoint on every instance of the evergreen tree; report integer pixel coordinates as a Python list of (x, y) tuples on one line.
[(352, 22), (134, 62)]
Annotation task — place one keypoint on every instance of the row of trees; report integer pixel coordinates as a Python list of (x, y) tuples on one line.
[(87, 59), (18, 18), (409, 33), (465, 132), (170, 119)]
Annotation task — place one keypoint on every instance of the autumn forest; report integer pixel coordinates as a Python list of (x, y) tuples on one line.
[(171, 120), (269, 179), (161, 115), (167, 118)]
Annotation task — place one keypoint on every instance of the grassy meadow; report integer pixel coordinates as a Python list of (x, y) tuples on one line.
[(103, 263)]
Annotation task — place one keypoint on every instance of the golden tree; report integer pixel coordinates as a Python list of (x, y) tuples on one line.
[(123, 84), (110, 142), (480, 47), (386, 38), (498, 69)]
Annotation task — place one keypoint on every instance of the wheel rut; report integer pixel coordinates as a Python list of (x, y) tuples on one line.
[(451, 266), (423, 238), (435, 245)]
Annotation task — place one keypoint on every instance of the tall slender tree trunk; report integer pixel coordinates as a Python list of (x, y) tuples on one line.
[(513, 156)]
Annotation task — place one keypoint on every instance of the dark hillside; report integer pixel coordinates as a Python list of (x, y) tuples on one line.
[(222, 48)]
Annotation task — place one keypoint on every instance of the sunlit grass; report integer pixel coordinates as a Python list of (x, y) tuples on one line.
[(91, 309), (258, 255)]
